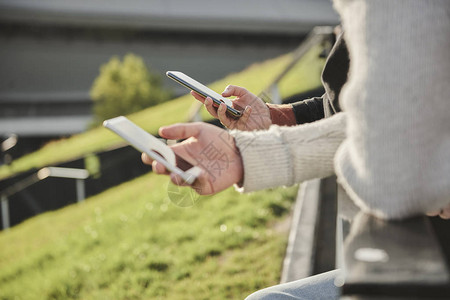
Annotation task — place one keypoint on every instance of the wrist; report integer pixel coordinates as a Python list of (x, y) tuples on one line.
[(282, 115)]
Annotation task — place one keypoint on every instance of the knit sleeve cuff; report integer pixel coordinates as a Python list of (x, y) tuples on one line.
[(266, 159), (283, 156)]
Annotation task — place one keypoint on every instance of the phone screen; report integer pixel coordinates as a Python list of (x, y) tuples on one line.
[(203, 90), (147, 143)]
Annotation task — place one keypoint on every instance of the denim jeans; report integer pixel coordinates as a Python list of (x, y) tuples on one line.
[(320, 287)]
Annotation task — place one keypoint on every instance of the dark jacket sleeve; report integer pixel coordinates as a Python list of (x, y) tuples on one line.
[(308, 110), (334, 76)]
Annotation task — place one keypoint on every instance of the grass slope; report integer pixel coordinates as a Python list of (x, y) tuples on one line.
[(131, 242), (255, 78)]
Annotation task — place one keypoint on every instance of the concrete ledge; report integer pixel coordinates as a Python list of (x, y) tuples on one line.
[(299, 259)]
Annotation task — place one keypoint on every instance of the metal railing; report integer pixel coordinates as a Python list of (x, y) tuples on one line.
[(318, 35), (78, 174)]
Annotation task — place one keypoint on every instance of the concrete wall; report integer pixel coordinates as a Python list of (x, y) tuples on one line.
[(52, 49)]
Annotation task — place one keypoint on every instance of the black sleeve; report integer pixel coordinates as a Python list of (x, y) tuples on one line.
[(308, 110)]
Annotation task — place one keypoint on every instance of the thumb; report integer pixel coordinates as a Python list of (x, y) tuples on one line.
[(181, 130), (234, 90)]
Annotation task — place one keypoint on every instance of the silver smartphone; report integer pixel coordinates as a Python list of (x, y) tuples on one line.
[(204, 91), (147, 143)]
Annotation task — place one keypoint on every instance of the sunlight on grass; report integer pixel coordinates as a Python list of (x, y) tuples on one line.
[(130, 242)]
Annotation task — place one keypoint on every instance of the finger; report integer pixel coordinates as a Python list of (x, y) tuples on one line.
[(180, 131), (178, 180), (245, 115), (210, 108), (146, 159), (222, 113), (445, 213), (198, 96), (234, 90), (445, 216), (202, 185), (158, 168)]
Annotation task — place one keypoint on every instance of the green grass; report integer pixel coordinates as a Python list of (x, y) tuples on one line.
[(255, 78), (131, 242)]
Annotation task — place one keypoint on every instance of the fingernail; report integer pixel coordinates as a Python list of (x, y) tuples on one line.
[(162, 130)]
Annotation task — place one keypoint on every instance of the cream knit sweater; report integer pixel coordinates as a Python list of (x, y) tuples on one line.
[(391, 146)]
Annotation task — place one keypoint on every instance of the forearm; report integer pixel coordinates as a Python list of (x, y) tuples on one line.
[(283, 156), (300, 112), (282, 115)]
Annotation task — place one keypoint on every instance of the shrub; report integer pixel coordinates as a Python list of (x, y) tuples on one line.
[(124, 87)]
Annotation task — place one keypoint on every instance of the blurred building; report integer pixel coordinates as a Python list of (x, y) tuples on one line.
[(51, 50)]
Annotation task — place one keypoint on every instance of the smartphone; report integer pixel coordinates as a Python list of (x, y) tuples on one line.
[(201, 89), (147, 143)]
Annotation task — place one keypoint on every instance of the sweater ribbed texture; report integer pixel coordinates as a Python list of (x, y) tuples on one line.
[(395, 161), (282, 156)]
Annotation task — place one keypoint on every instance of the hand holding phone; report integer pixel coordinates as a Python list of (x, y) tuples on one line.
[(150, 145), (204, 91)]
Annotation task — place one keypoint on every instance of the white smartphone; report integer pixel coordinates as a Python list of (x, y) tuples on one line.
[(203, 90), (149, 144)]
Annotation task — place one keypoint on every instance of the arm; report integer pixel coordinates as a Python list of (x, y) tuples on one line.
[(300, 112), (289, 155), (260, 115), (334, 75), (259, 159)]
